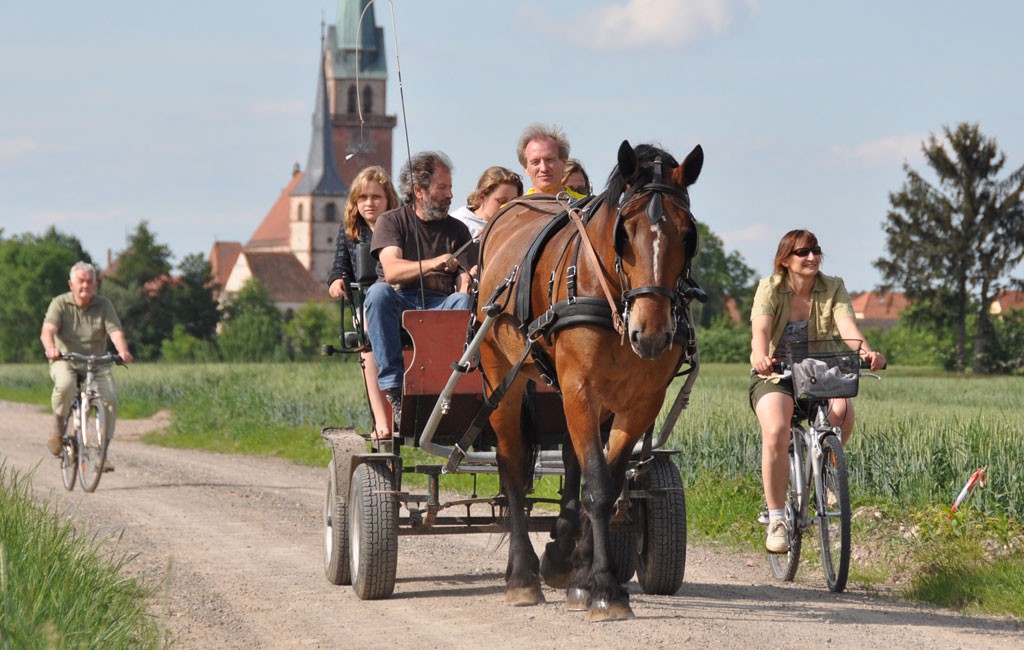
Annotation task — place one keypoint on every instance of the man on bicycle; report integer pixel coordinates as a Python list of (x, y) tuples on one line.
[(80, 321)]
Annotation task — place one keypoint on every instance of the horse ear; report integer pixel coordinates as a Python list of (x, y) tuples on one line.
[(627, 161), (687, 173)]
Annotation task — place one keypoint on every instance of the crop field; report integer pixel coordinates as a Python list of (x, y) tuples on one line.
[(919, 435)]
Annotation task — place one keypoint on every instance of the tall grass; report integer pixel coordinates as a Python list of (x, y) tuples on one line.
[(55, 588)]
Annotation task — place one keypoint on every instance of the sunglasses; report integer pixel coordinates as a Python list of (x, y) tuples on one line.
[(804, 252)]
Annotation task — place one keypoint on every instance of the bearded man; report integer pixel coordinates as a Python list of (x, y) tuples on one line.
[(416, 267)]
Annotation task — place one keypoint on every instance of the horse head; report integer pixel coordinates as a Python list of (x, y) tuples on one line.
[(655, 239)]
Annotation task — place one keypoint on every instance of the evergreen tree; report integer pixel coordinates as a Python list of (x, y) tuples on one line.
[(951, 246), (194, 305)]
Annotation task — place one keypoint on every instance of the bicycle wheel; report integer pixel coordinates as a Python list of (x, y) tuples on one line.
[(92, 446), (834, 517), (784, 565), (69, 454)]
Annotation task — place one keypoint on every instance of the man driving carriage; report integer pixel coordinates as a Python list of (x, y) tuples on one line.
[(416, 268)]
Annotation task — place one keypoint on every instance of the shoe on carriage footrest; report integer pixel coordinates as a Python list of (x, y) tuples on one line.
[(394, 396)]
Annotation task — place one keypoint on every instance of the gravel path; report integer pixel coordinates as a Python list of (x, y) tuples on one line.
[(232, 545)]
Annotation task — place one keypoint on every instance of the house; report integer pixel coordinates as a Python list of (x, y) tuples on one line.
[(876, 309), (1006, 301)]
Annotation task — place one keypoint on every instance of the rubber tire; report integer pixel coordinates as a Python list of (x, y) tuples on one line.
[(69, 455), (661, 536), (623, 544), (834, 529), (373, 531), (92, 446), (335, 542), (784, 565)]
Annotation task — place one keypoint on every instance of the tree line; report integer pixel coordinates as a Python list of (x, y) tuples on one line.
[(951, 247)]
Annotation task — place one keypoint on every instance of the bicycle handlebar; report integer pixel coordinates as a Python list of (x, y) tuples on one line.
[(98, 359)]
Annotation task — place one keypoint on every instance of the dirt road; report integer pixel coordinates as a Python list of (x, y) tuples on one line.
[(233, 545)]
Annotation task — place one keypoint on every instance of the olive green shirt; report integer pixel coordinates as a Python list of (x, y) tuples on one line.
[(80, 330), (830, 303)]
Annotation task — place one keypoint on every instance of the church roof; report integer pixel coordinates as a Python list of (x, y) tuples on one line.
[(275, 230), (284, 276), (222, 259), (321, 177), (344, 42)]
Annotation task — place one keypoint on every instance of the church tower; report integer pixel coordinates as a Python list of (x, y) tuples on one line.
[(317, 203), (357, 78)]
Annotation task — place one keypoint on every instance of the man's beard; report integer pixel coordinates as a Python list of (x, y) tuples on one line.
[(435, 210)]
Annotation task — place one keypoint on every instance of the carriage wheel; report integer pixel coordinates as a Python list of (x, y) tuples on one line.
[(624, 554), (336, 555), (373, 531), (661, 536)]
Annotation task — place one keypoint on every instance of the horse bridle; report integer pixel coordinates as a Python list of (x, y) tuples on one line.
[(656, 215)]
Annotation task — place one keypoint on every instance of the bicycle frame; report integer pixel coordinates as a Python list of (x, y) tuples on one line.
[(90, 445), (805, 457)]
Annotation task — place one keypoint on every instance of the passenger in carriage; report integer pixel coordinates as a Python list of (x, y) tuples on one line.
[(496, 187), (543, 152), (371, 195), (414, 246), (575, 178)]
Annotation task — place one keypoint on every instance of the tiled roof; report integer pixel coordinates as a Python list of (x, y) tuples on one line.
[(875, 306), (275, 229), (222, 259), (1007, 301), (286, 279)]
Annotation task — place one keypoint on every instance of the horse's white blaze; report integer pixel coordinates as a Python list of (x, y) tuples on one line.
[(656, 231)]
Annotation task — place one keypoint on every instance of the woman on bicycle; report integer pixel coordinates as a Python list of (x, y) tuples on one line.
[(796, 303), (372, 195)]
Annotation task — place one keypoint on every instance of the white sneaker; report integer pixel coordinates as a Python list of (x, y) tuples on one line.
[(778, 537)]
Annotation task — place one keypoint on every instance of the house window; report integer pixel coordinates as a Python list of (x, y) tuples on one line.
[(330, 214), (298, 213)]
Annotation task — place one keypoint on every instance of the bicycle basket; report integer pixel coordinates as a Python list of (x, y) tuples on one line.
[(824, 369)]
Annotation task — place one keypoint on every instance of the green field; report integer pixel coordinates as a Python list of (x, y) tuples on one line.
[(920, 435)]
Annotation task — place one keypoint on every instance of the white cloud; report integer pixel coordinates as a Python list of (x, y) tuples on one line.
[(658, 23), (14, 149), (891, 149)]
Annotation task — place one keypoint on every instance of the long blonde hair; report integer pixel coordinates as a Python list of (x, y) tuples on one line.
[(354, 220), (489, 181)]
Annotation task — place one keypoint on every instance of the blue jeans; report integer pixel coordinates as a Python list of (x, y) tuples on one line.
[(383, 309)]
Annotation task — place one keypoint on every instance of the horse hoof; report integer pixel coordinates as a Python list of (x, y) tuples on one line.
[(524, 596), (554, 575), (576, 599), (603, 610)]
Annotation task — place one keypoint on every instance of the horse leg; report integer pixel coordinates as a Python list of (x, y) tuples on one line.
[(556, 565), (522, 575)]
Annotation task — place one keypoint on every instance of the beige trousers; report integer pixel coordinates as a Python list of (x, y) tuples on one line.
[(65, 387)]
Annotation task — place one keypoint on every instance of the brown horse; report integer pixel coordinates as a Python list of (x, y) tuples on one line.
[(644, 238)]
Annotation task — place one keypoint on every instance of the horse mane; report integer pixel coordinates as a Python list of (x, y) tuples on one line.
[(645, 155)]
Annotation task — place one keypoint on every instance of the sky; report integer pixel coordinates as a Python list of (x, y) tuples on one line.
[(190, 115)]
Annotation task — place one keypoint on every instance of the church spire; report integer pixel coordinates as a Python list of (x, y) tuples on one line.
[(367, 40), (321, 177)]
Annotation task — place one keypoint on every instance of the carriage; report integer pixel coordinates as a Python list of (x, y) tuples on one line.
[(448, 398)]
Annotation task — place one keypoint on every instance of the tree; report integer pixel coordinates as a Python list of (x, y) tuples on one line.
[(311, 326), (952, 245), (141, 290), (192, 297), (34, 269), (252, 326), (722, 275)]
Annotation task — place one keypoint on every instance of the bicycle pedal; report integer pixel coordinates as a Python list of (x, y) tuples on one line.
[(762, 517)]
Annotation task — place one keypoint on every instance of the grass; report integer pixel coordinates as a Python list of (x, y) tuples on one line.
[(56, 588), (920, 435)]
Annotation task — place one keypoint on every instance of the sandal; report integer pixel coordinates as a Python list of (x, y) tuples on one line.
[(380, 435)]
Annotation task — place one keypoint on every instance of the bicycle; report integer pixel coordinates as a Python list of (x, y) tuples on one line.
[(84, 448), (820, 371)]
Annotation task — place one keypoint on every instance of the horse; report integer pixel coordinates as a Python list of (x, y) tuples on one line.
[(583, 289)]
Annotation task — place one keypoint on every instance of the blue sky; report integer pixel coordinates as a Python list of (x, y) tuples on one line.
[(191, 114)]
